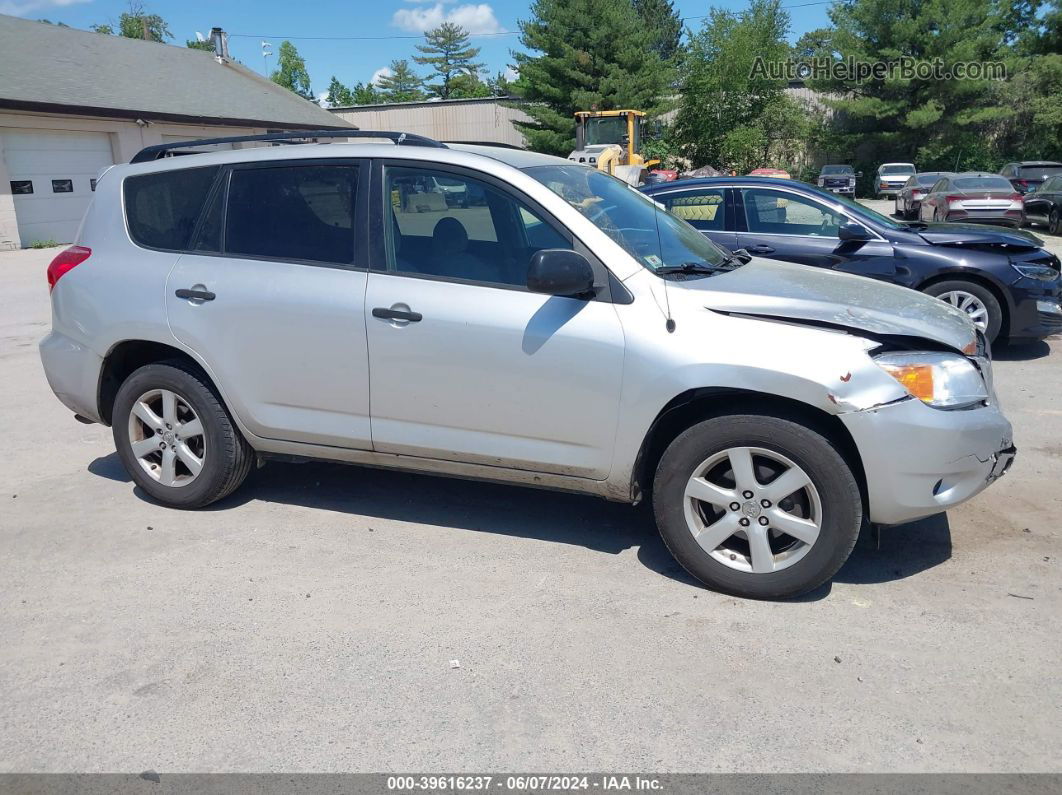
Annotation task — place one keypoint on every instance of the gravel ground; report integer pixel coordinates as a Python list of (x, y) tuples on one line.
[(309, 621)]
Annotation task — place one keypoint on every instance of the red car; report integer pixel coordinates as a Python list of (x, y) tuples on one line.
[(777, 173), (973, 197)]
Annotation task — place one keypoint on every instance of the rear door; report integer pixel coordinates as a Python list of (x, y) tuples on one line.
[(271, 297), (708, 209), (793, 227)]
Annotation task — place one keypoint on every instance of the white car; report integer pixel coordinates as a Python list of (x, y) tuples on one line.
[(891, 178)]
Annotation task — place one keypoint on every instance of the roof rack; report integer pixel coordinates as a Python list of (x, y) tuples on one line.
[(497, 144), (157, 151)]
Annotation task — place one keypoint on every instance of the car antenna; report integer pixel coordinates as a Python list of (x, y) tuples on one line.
[(669, 324)]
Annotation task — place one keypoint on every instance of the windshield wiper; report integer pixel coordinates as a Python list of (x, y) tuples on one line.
[(691, 267)]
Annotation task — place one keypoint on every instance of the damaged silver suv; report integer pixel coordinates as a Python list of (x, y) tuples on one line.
[(500, 315)]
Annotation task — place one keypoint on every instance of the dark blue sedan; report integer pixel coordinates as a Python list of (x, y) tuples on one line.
[(1004, 279)]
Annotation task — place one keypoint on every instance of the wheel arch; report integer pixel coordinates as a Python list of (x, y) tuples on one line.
[(695, 405), (127, 356), (1001, 295)]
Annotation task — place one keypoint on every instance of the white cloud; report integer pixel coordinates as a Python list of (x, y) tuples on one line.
[(478, 18), (17, 8), (383, 71), (511, 74)]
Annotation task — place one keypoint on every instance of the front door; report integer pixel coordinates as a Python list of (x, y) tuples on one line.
[(788, 226), (272, 299), (465, 363)]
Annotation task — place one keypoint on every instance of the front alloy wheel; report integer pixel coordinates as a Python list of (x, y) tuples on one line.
[(749, 525), (970, 304), (757, 505)]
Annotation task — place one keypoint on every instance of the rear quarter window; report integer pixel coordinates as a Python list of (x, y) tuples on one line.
[(162, 208)]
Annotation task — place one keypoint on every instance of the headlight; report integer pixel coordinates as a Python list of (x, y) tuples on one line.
[(821, 182), (1041, 272), (851, 180), (942, 380)]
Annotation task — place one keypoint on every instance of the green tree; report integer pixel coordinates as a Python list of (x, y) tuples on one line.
[(102, 27), (450, 54), (584, 54), (500, 85), (936, 123), (136, 23), (291, 71), (731, 114), (339, 95), (402, 84), (196, 44), (365, 94), (665, 25), (468, 86)]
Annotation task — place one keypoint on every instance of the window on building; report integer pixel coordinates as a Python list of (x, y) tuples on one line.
[(21, 187), (62, 186)]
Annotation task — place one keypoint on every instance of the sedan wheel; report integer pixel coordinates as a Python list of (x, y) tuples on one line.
[(748, 525), (970, 304), (1053, 222), (166, 437)]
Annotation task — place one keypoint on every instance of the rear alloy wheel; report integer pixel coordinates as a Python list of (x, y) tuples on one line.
[(175, 437), (976, 301), (756, 506), (1053, 222)]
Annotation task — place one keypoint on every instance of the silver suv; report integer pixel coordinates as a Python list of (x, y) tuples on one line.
[(501, 315)]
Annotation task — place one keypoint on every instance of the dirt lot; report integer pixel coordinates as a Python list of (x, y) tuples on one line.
[(309, 621)]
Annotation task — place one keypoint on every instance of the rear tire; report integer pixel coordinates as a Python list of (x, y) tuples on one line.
[(827, 495), (1053, 222), (188, 451), (954, 291)]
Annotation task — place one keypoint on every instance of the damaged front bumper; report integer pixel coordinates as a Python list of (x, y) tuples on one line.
[(920, 460)]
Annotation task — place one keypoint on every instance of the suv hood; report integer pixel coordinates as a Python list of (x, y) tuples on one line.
[(973, 235), (768, 288)]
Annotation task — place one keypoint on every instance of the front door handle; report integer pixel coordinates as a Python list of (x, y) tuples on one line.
[(759, 249), (397, 314), (195, 294)]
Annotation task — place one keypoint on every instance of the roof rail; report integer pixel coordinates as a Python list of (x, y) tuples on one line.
[(497, 144), (157, 151)]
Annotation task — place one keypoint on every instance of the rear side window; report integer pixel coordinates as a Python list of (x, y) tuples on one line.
[(292, 213), (162, 209)]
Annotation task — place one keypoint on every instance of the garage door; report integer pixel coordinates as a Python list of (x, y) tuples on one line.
[(52, 177)]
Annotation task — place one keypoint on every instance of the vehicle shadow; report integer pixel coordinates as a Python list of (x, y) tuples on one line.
[(1021, 352), (557, 517)]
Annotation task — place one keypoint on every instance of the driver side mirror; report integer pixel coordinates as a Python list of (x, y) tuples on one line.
[(560, 271), (850, 231)]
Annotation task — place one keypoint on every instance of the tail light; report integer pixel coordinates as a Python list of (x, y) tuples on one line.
[(953, 199), (917, 194), (1017, 197), (66, 260)]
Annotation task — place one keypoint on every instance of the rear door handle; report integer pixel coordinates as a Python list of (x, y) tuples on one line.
[(760, 249), (195, 295), (397, 314)]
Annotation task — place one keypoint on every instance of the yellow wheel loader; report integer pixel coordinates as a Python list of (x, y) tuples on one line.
[(611, 140)]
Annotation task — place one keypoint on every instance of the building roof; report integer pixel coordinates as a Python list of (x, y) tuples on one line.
[(54, 69)]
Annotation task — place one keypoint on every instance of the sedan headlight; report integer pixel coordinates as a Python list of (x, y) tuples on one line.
[(1040, 272), (941, 380)]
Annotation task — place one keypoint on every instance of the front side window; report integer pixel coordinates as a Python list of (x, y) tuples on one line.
[(702, 209), (292, 212), (457, 227), (634, 221), (774, 212), (162, 208)]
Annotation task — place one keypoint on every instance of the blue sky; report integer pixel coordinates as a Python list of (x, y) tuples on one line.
[(310, 25)]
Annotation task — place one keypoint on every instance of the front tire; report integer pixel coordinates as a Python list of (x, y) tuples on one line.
[(975, 300), (790, 536), (175, 437)]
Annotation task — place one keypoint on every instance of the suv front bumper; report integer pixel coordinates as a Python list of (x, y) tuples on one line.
[(920, 460)]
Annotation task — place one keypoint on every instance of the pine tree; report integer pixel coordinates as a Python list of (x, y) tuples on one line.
[(661, 18), (291, 71), (449, 53), (365, 94), (584, 54), (935, 123), (402, 84), (339, 96)]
